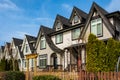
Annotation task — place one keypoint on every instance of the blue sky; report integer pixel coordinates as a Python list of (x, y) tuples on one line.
[(19, 17)]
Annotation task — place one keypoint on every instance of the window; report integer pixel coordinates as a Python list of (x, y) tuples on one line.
[(25, 63), (58, 26), (32, 62), (43, 61), (75, 33), (26, 48), (59, 38), (96, 27), (76, 19), (42, 43)]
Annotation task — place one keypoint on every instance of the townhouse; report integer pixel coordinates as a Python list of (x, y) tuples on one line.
[(63, 47), (28, 47), (16, 54)]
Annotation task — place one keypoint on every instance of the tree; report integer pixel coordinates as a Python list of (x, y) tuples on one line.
[(113, 52), (101, 57), (91, 53)]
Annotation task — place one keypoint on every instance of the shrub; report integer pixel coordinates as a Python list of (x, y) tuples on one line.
[(46, 77), (14, 75)]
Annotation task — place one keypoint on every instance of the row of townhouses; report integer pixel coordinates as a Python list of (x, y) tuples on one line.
[(63, 47)]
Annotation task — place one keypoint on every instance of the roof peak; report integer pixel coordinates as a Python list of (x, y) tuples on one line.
[(97, 6)]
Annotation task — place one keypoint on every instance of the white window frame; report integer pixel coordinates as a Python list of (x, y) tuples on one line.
[(75, 33), (95, 27), (59, 38), (41, 60), (58, 26), (76, 19), (42, 42)]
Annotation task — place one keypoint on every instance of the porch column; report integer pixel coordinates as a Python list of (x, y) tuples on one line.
[(27, 75), (35, 65)]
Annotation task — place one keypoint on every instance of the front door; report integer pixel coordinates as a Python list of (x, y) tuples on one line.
[(55, 62)]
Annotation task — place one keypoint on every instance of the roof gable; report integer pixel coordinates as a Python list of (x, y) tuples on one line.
[(81, 14), (46, 31), (64, 22), (101, 12), (31, 40)]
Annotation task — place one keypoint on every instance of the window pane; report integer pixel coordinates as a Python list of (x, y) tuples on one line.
[(42, 42), (96, 27), (75, 33), (58, 26), (43, 61), (99, 29), (76, 19), (59, 38)]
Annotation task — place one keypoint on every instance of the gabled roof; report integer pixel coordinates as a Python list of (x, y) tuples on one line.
[(46, 31), (79, 12), (64, 21), (17, 41), (102, 14), (31, 40)]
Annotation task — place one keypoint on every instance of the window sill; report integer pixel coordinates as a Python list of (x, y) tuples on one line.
[(59, 43), (42, 48), (75, 39)]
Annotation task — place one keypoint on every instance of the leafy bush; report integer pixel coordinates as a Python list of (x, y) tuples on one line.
[(14, 75), (46, 77)]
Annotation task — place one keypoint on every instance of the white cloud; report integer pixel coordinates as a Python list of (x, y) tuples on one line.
[(8, 5), (114, 5), (67, 7)]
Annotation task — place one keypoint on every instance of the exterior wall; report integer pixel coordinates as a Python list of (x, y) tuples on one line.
[(106, 33), (26, 53), (47, 51), (67, 40)]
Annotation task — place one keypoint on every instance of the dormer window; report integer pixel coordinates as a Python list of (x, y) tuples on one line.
[(58, 27), (76, 19)]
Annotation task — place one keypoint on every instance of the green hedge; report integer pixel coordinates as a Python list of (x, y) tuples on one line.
[(14, 75), (46, 77)]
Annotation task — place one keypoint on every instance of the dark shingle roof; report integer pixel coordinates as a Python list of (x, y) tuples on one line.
[(46, 32), (31, 41), (17, 41), (65, 22)]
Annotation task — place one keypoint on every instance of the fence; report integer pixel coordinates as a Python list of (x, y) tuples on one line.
[(83, 75), (99, 76)]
